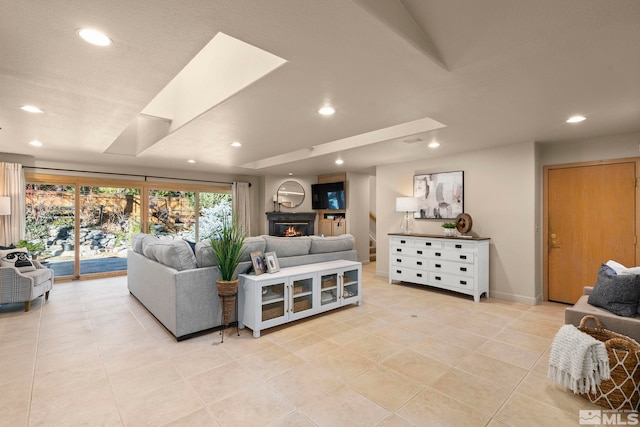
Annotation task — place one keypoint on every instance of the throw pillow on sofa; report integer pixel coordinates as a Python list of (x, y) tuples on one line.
[(619, 294), (18, 258)]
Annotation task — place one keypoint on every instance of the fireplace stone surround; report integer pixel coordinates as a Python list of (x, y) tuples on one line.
[(290, 224)]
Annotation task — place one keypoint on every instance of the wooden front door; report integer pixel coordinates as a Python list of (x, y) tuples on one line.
[(591, 219)]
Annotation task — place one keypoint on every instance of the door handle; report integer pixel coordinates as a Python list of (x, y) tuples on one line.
[(553, 243)]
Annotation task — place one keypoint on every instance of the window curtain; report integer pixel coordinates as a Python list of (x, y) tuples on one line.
[(12, 184), (241, 205)]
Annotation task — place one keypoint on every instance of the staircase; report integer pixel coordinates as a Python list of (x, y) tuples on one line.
[(372, 237), (372, 250)]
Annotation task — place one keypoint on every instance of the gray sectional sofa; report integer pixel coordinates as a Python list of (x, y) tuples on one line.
[(177, 284)]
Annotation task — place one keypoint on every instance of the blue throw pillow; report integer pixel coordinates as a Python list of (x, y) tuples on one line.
[(192, 244), (619, 294)]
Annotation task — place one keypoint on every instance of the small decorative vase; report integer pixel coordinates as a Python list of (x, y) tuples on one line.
[(227, 292), (449, 232)]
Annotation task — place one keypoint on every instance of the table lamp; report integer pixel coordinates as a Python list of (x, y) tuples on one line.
[(407, 205), (5, 205)]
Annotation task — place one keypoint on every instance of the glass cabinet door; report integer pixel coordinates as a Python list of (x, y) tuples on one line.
[(350, 284), (328, 288), (273, 301), (301, 296)]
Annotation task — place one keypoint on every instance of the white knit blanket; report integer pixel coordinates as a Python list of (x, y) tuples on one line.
[(578, 361)]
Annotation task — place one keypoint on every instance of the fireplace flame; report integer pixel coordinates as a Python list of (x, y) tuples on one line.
[(292, 232)]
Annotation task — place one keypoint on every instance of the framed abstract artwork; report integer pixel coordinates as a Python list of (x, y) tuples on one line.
[(440, 195)]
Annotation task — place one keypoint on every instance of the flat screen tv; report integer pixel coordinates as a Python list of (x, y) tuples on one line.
[(328, 196)]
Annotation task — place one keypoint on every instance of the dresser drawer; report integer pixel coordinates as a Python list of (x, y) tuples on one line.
[(419, 252), (401, 241), (464, 246), (408, 275), (451, 267), (451, 280), (428, 244), (450, 255), (402, 260), (402, 250)]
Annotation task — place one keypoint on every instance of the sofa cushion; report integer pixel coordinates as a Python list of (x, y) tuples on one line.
[(204, 255), (18, 258), (252, 244), (174, 253), (136, 242), (206, 258), (147, 241), (287, 246), (321, 245), (619, 294)]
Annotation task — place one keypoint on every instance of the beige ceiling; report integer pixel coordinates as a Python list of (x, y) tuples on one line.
[(473, 73)]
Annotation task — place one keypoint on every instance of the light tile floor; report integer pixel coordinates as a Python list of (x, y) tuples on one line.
[(408, 356)]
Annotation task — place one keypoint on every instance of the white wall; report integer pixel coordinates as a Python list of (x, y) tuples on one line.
[(499, 194), (591, 149), (358, 212)]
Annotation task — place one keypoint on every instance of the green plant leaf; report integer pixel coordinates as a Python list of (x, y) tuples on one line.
[(226, 244)]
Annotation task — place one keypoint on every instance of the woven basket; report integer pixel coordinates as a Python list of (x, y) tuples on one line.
[(621, 392), (227, 292), (301, 304)]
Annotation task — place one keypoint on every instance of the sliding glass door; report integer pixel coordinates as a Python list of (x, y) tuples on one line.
[(109, 216), (50, 225), (83, 226)]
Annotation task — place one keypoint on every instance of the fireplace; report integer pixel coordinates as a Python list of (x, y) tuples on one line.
[(291, 224)]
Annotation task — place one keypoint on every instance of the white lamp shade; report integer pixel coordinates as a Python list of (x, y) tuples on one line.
[(406, 204), (5, 205)]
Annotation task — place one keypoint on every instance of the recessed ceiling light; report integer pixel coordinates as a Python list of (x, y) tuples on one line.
[(31, 109), (290, 173), (576, 119), (434, 144), (191, 161), (327, 111), (36, 143), (339, 162), (236, 144), (94, 37)]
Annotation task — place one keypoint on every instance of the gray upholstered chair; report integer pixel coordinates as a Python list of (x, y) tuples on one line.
[(24, 287)]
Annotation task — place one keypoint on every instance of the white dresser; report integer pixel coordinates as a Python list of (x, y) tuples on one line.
[(456, 264)]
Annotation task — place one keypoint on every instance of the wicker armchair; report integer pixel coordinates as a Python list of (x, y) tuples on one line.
[(24, 287)]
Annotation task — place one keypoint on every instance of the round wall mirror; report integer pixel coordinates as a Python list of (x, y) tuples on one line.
[(290, 194)]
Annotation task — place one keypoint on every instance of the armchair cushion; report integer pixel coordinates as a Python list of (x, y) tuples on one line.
[(40, 275), (18, 258)]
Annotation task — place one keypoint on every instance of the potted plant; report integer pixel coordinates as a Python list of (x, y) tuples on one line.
[(34, 248), (226, 244), (449, 228)]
